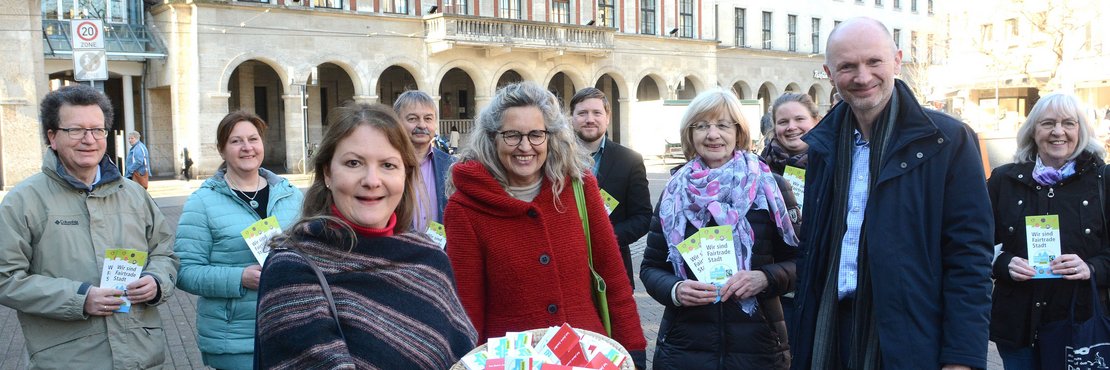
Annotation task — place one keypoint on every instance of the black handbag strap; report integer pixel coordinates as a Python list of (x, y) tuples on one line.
[(326, 287)]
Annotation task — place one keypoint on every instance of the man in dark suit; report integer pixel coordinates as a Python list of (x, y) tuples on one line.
[(620, 171), (417, 111)]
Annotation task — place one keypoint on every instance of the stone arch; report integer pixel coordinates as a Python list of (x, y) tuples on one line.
[(229, 68), (409, 65), (817, 93), (518, 67), (617, 77), (575, 76), (357, 79), (792, 88), (395, 72), (660, 86), (742, 90), (767, 93), (476, 73)]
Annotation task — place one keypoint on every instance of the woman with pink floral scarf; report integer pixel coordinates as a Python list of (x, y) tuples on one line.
[(737, 324)]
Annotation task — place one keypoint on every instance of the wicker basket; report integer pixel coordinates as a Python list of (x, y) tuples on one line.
[(537, 334)]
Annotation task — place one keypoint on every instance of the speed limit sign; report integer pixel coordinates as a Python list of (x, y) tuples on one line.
[(87, 34)]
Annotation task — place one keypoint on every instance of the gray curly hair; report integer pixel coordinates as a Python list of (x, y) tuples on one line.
[(565, 161)]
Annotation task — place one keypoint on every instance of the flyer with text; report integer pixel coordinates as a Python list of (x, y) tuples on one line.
[(258, 236), (1042, 238)]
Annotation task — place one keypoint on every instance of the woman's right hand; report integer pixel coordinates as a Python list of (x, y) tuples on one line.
[(695, 293), (251, 275), (1020, 270)]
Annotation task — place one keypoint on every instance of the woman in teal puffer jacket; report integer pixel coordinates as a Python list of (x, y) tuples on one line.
[(216, 263)]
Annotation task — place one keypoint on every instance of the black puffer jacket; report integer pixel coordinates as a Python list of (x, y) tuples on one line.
[(1019, 308), (721, 336)]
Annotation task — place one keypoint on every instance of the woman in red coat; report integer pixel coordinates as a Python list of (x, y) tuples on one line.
[(513, 232)]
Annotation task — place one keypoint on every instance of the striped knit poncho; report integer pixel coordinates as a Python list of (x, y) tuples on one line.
[(396, 298)]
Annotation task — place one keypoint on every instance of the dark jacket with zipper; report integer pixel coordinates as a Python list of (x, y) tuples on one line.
[(928, 226), (1021, 307), (720, 335)]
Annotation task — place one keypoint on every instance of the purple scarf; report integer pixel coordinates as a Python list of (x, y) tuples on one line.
[(697, 194), (1046, 175)]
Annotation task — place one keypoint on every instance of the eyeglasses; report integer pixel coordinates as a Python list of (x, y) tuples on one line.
[(513, 137), (703, 126), (79, 133)]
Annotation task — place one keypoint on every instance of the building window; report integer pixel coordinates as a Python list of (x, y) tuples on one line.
[(879, 3), (686, 18), (111, 11), (741, 23), (792, 31), (897, 4), (606, 12), (647, 17), (897, 38), (986, 34), (930, 7), (332, 4), (560, 10), (456, 7), (815, 34), (767, 30), (510, 9), (1012, 28), (836, 24), (913, 6), (395, 6)]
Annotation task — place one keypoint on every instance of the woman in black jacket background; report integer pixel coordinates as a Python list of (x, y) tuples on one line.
[(1057, 171)]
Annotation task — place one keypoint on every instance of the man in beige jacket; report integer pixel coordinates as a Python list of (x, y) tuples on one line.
[(56, 227)]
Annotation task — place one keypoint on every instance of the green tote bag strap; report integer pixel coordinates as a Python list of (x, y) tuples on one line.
[(597, 288)]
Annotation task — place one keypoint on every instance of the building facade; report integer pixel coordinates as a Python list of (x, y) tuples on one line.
[(1005, 54), (292, 61)]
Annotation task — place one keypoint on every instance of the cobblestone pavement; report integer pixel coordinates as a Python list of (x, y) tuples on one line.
[(179, 315)]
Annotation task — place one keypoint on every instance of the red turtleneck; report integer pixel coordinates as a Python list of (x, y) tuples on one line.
[(367, 231)]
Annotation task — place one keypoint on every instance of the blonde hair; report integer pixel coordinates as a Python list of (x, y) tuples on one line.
[(714, 101)]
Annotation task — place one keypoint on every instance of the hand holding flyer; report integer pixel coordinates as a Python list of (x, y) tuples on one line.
[(1042, 238), (711, 255), (258, 236), (122, 267)]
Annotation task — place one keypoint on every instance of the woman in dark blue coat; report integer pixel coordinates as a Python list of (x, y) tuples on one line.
[(1055, 172), (723, 184)]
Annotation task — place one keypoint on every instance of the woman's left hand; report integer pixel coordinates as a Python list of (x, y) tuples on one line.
[(1071, 267), (744, 284)]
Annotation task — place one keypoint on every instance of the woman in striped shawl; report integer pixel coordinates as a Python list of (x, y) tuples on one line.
[(393, 289)]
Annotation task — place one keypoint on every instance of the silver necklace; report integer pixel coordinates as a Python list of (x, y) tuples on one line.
[(250, 198)]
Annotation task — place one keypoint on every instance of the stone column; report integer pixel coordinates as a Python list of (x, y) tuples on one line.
[(625, 123), (24, 82), (294, 132)]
